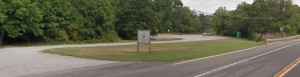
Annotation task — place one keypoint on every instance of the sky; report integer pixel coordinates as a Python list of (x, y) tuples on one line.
[(209, 6)]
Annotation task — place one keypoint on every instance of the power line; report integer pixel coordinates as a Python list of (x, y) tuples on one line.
[(240, 17), (280, 11)]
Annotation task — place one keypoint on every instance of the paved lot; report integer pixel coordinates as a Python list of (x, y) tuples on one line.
[(20, 61)]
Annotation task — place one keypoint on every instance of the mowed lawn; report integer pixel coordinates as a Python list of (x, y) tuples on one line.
[(160, 52)]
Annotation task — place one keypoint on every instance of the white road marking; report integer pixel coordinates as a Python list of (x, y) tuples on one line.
[(245, 60), (218, 55)]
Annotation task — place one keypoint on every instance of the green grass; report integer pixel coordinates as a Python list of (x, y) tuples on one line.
[(161, 52)]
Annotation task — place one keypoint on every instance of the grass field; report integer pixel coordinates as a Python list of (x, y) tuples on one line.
[(161, 52)]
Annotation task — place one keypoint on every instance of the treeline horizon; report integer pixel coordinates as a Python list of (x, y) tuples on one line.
[(42, 21)]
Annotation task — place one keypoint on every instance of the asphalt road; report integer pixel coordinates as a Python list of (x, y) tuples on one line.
[(295, 72), (264, 61)]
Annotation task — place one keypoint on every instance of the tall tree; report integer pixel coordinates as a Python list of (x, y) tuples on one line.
[(136, 14), (259, 17), (21, 18), (58, 16), (99, 18)]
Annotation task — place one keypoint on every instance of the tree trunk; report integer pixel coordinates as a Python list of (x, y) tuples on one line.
[(1, 39)]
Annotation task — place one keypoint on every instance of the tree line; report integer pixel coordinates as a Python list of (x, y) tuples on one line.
[(23, 21), (260, 17)]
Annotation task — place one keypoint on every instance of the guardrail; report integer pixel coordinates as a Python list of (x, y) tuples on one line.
[(282, 39)]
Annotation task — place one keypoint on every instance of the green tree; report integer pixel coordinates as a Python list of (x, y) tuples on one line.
[(58, 17), (20, 18), (257, 18), (136, 14), (98, 18)]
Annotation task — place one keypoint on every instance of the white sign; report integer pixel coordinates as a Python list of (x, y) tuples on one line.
[(144, 37), (281, 29)]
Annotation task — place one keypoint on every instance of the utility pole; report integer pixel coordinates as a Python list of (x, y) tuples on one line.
[(211, 24), (282, 6), (279, 13)]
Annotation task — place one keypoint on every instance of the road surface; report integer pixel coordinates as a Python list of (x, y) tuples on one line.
[(21, 61), (295, 71), (263, 61)]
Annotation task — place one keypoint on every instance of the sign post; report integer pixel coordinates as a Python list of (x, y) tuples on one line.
[(144, 37), (282, 33)]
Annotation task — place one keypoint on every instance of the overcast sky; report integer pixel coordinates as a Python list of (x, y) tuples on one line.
[(209, 6)]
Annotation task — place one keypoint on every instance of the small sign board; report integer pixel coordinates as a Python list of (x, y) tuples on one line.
[(281, 29), (144, 36)]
